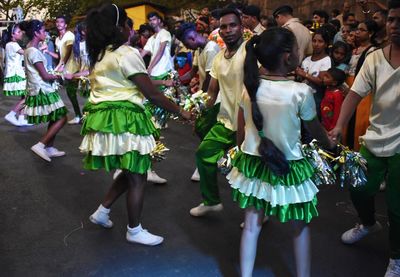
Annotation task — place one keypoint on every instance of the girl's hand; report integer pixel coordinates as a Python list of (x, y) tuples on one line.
[(186, 115), (169, 83), (335, 134), (300, 72), (68, 76)]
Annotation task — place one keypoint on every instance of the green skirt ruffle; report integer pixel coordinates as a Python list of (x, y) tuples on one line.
[(252, 167), (206, 120), (299, 211), (118, 117), (12, 80), (300, 171), (46, 102)]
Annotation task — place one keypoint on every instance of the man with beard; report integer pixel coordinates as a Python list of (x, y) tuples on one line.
[(227, 82)]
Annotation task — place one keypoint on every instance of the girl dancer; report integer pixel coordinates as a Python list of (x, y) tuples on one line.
[(43, 103), (118, 131), (270, 175), (14, 74)]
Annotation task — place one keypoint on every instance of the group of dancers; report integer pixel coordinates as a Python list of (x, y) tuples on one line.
[(263, 114)]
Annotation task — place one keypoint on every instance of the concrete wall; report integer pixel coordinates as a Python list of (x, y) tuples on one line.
[(304, 8)]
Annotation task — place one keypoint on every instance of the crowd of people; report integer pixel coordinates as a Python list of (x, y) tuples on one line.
[(273, 83)]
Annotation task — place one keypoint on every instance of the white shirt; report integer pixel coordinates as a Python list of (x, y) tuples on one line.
[(303, 37), (378, 77), (283, 105), (153, 44), (204, 59), (13, 60)]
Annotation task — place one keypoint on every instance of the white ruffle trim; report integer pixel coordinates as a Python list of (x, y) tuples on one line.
[(105, 144), (275, 195), (14, 86), (43, 110)]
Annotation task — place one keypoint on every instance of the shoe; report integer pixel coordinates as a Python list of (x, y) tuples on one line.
[(10, 117), (116, 173), (382, 186), (265, 219), (202, 209), (75, 120), (53, 152), (22, 121), (355, 234), (40, 150), (154, 178), (101, 217), (142, 236), (196, 176), (393, 269)]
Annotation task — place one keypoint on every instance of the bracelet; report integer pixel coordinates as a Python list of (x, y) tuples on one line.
[(261, 134)]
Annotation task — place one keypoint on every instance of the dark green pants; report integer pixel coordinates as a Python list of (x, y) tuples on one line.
[(211, 149), (364, 197), (72, 87)]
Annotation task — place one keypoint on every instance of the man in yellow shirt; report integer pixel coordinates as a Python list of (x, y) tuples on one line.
[(226, 80)]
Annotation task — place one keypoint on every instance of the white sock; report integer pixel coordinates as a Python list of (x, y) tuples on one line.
[(134, 229), (103, 209), (41, 144)]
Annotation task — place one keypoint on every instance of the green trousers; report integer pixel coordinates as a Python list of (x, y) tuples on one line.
[(211, 149), (364, 197), (71, 87)]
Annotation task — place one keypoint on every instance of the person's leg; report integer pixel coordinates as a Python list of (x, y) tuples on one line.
[(392, 199), (363, 197), (302, 248), (211, 149), (19, 106), (71, 89), (135, 196), (53, 129), (248, 243)]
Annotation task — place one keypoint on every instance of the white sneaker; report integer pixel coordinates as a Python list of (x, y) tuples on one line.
[(101, 217), (357, 233), (265, 219), (202, 209), (22, 121), (40, 150), (53, 152), (75, 120), (393, 269), (10, 117), (154, 178), (382, 186), (196, 176), (142, 236), (116, 173)]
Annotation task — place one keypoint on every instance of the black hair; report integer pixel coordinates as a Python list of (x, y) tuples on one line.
[(338, 75), (347, 49), (383, 12), (336, 24), (65, 17), (7, 35), (267, 48), (216, 14), (184, 30), (103, 30), (347, 15), (335, 12), (325, 34), (271, 22), (30, 27), (393, 4), (129, 21), (145, 27), (78, 37), (152, 14), (372, 28), (323, 14), (227, 11), (284, 10), (235, 6)]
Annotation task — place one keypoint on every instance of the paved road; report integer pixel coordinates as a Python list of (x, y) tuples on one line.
[(45, 229)]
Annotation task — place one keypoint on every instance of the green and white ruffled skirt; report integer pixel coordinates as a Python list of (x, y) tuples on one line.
[(44, 107), (14, 86), (288, 197), (117, 135)]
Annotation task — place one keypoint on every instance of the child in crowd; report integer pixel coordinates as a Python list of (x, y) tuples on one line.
[(340, 55), (118, 131), (43, 103), (14, 74), (270, 175), (333, 98)]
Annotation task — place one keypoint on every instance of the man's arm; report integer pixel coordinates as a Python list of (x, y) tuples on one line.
[(157, 57), (213, 90)]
